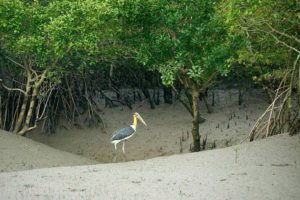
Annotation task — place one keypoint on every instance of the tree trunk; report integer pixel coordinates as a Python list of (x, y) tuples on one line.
[(36, 89), (148, 96), (196, 115), (209, 110), (213, 98), (25, 101), (21, 115), (189, 97), (168, 96), (240, 96), (156, 96), (30, 112)]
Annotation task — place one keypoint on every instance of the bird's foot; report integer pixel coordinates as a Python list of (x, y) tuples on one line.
[(124, 157), (114, 159)]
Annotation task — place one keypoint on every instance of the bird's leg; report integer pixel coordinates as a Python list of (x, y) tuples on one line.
[(114, 157), (124, 155), (124, 146), (115, 153)]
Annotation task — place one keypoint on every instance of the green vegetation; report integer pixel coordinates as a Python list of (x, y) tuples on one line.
[(55, 56)]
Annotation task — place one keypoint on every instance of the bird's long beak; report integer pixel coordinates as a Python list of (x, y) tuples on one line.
[(141, 119)]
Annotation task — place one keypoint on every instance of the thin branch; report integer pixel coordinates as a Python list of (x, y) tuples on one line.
[(32, 70), (258, 122), (46, 103), (189, 109), (283, 34), (17, 63), (273, 104), (285, 44), (11, 89)]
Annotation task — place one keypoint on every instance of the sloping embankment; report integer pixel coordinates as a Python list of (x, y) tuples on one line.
[(20, 153), (266, 169)]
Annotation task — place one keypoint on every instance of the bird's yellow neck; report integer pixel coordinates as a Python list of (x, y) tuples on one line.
[(134, 121)]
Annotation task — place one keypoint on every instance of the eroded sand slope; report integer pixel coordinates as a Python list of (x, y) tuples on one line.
[(265, 169), (20, 153)]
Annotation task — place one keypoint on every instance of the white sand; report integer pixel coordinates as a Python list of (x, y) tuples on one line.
[(20, 153), (265, 169)]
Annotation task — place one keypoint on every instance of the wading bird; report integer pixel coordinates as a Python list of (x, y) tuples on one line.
[(127, 132)]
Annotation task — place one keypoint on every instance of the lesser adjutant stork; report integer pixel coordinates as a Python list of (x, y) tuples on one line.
[(127, 132)]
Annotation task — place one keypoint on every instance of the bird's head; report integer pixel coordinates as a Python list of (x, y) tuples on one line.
[(138, 116)]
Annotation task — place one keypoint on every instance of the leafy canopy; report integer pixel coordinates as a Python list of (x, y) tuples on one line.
[(184, 36), (55, 34), (266, 29)]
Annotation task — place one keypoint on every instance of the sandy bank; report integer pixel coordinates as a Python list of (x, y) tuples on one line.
[(20, 153), (265, 169)]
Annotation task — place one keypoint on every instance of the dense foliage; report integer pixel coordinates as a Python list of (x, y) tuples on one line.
[(268, 30)]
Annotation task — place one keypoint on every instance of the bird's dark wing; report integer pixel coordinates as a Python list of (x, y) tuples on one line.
[(122, 133)]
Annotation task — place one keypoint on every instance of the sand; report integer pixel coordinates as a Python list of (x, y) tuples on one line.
[(265, 169), (167, 125), (20, 153)]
